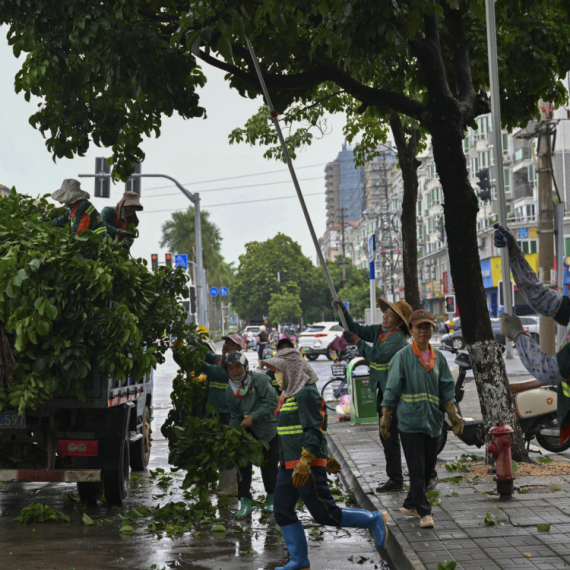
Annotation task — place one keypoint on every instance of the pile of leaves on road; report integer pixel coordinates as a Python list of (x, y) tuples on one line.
[(73, 305)]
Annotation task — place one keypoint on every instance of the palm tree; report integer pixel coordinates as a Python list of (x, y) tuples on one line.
[(179, 235)]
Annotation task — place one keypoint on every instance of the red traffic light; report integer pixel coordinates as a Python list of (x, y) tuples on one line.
[(168, 259), (154, 260)]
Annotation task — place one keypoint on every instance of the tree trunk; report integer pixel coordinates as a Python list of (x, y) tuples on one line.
[(409, 166), (460, 210)]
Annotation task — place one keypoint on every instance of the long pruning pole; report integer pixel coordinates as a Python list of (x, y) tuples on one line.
[(295, 181)]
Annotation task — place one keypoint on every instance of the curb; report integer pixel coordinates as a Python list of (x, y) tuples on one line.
[(398, 552)]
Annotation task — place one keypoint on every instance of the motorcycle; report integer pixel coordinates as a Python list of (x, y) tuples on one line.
[(535, 405)]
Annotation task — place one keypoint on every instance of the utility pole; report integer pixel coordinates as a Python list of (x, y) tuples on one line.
[(343, 246), (545, 224)]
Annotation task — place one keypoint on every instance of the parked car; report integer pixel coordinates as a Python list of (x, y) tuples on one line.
[(250, 328), (530, 324), (456, 325), (456, 340), (315, 339)]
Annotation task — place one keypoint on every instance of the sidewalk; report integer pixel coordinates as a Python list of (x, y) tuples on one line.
[(460, 533)]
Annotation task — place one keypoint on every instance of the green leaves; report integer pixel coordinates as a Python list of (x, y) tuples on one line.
[(68, 303), (544, 527), (37, 512), (490, 520)]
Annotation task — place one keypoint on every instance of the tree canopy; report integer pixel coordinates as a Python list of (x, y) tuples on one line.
[(179, 235)]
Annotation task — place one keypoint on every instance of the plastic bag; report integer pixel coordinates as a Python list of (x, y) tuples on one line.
[(344, 408)]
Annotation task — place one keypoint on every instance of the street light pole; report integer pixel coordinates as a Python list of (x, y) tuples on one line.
[(195, 199)]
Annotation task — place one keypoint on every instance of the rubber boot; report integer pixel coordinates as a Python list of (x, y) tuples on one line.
[(296, 542), (244, 508), (227, 486), (360, 518), (268, 508)]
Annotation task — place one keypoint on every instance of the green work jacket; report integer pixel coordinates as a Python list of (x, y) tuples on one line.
[(113, 224), (217, 382), (302, 422), (418, 392), (260, 403), (384, 347), (83, 216)]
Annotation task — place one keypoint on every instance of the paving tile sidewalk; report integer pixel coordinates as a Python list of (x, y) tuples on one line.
[(460, 533)]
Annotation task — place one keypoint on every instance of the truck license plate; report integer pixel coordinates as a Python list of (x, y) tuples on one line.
[(11, 420)]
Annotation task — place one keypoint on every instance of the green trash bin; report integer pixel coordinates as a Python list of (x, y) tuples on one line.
[(363, 401)]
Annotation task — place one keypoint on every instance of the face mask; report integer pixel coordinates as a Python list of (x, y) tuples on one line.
[(279, 378)]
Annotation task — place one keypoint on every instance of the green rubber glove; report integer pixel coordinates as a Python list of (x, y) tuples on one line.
[(339, 304), (511, 326)]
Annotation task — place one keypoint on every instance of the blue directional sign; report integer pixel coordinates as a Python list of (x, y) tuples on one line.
[(224, 291), (181, 260), (214, 291)]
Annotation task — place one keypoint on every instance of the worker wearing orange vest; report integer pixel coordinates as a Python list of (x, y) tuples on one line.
[(82, 214), (121, 216)]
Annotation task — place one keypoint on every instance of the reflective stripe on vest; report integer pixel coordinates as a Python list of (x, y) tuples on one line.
[(566, 389), (383, 366), (218, 385), (411, 398), (289, 430)]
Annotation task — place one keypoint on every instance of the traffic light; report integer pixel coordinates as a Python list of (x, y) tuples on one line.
[(193, 308), (102, 185), (154, 261), (450, 304), (134, 184), (484, 184), (168, 259)]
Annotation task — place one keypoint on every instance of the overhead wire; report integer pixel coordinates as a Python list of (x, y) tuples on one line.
[(232, 203)]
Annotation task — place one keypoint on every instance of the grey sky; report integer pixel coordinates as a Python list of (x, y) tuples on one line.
[(190, 151)]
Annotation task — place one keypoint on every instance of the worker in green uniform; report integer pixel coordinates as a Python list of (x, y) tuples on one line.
[(252, 402), (421, 388), (217, 382), (387, 339), (277, 377), (123, 215), (82, 214), (304, 462)]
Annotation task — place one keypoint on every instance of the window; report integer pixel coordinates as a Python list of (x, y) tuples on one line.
[(466, 145), (531, 175), (505, 143), (567, 246), (483, 159), (529, 246), (507, 179)]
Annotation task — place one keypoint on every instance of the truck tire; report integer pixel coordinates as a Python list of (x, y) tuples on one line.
[(90, 493), (140, 449), (116, 479)]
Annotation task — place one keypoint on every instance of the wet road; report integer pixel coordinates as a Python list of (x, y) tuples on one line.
[(253, 544)]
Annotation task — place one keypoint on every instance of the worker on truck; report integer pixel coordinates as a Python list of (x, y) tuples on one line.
[(82, 214), (123, 215)]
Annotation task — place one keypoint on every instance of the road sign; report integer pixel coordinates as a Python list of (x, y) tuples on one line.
[(181, 260), (214, 291), (347, 305), (224, 291)]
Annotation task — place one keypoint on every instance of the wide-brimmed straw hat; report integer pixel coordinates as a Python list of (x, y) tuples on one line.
[(401, 308), (70, 192)]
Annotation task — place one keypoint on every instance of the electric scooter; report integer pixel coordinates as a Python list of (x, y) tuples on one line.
[(535, 405)]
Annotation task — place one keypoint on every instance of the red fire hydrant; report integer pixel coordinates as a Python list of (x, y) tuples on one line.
[(500, 449)]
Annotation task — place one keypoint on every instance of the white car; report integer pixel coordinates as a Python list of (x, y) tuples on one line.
[(315, 339), (530, 324)]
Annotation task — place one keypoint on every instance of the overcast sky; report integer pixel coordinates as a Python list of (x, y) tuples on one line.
[(193, 152)]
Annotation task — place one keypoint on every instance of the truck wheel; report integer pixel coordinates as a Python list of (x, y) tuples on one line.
[(140, 449), (90, 493), (116, 479), (312, 356)]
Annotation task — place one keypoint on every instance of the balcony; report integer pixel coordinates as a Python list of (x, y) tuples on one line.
[(522, 154)]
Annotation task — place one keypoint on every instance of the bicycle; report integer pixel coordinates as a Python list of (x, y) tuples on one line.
[(337, 387)]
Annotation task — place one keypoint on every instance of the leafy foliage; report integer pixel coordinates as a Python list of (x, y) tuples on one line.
[(284, 308), (179, 235), (37, 512), (74, 306)]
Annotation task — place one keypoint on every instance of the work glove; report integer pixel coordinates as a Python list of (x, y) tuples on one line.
[(455, 419), (339, 304), (503, 237), (333, 466), (302, 470), (385, 423), (511, 326), (351, 338), (125, 234)]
